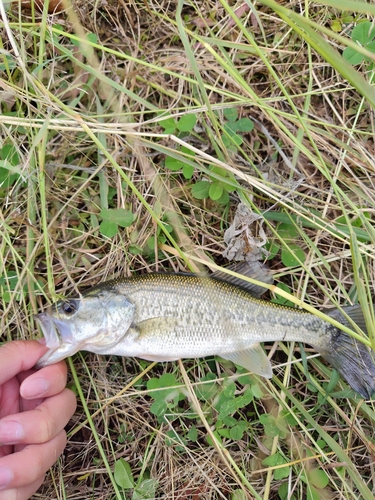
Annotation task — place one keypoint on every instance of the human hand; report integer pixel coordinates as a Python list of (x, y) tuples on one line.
[(35, 406)]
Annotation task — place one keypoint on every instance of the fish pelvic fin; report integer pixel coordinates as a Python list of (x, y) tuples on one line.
[(352, 359)]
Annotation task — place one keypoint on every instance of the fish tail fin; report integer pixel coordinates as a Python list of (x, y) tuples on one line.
[(351, 358)]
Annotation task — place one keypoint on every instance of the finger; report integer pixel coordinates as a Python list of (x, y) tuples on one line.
[(44, 383), (18, 356), (9, 397), (23, 493), (26, 466), (39, 425)]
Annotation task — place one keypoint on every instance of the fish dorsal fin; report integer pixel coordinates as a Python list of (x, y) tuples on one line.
[(254, 269), (253, 358)]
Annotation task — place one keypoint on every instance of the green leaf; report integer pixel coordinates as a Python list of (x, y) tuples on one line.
[(230, 128), (312, 493), (275, 460), (244, 125), (8, 284), (9, 152), (284, 493), (230, 421), (192, 434), (145, 490), (119, 216), (152, 384), (293, 256), (353, 56), (227, 408), (187, 171), (282, 424), (237, 431), (92, 38), (6, 178), (287, 231), (159, 407), (318, 478), (123, 474), (231, 114), (208, 390), (229, 389), (164, 394), (273, 248), (169, 125), (289, 418), (167, 380), (363, 33), (224, 433), (232, 141), (216, 190), (270, 428), (245, 379), (10, 172), (187, 151), (336, 26), (186, 123), (174, 164), (257, 390), (280, 300), (224, 198), (215, 169), (238, 495), (201, 189), (108, 228), (245, 399)]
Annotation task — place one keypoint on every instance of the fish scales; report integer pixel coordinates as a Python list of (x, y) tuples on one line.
[(210, 314), (164, 317)]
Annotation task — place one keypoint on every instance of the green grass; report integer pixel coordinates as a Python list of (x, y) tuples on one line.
[(128, 136)]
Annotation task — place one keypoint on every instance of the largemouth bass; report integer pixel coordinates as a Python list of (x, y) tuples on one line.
[(165, 317)]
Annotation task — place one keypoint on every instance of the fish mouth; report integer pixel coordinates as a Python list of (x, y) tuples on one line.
[(59, 339), (54, 330)]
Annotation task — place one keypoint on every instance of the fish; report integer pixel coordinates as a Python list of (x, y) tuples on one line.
[(166, 317)]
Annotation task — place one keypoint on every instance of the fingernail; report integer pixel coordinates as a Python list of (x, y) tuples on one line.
[(11, 432), (6, 477), (34, 388)]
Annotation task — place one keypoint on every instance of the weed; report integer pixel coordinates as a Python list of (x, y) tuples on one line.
[(167, 396), (233, 127), (90, 93), (144, 489), (9, 287), (113, 218), (10, 171), (362, 34)]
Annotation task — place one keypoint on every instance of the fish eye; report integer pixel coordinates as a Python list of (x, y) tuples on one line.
[(69, 307)]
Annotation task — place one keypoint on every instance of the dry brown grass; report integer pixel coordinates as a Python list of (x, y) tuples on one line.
[(57, 100)]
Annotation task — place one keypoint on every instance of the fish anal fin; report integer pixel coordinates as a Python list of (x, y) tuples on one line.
[(253, 358)]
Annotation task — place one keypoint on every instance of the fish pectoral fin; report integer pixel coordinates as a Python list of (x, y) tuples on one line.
[(253, 358), (154, 325)]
